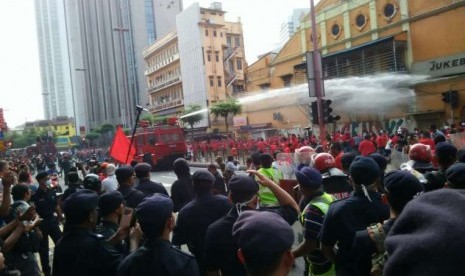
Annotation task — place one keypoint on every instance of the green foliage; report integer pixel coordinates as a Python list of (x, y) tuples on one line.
[(107, 128), (226, 108), (147, 117), (22, 139), (92, 136), (160, 120), (193, 119)]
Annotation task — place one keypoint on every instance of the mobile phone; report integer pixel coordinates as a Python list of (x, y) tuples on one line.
[(126, 218)]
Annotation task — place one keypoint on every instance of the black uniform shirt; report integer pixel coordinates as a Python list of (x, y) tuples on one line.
[(132, 197), (193, 221), (45, 203), (158, 257), (149, 187), (220, 249), (344, 218), (81, 252)]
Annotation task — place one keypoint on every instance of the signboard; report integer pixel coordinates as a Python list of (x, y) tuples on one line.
[(445, 66), (239, 121)]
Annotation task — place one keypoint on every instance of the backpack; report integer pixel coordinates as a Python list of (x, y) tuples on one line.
[(377, 235)]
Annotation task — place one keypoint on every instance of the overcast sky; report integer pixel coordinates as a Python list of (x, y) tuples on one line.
[(20, 87)]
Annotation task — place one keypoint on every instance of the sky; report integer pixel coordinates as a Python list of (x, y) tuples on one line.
[(20, 85)]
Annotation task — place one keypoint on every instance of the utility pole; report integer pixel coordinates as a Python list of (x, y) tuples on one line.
[(319, 89)]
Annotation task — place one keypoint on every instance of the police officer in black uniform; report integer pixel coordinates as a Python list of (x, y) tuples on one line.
[(157, 256), (125, 177), (81, 251), (145, 185), (195, 217), (220, 248), (111, 209), (92, 182), (46, 204)]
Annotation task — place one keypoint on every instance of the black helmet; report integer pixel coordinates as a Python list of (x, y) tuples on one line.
[(92, 182)]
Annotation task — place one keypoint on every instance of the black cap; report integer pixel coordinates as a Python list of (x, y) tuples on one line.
[(402, 186), (364, 170), (203, 175), (309, 178), (153, 211), (455, 175), (109, 202), (124, 173), (380, 160), (243, 184), (427, 237), (79, 204), (41, 176), (262, 234), (142, 168), (445, 150)]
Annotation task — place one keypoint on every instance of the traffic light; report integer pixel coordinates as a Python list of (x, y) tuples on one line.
[(454, 98), (446, 97), (327, 112), (451, 97), (314, 108)]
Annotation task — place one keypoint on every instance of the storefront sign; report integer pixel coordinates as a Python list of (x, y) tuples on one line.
[(445, 66), (239, 121)]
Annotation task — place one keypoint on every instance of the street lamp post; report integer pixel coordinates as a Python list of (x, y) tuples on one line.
[(128, 115)]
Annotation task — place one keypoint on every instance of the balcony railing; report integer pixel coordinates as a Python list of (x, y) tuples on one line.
[(162, 63), (167, 105), (164, 84)]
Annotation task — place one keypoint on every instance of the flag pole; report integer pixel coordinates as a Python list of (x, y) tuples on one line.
[(139, 111)]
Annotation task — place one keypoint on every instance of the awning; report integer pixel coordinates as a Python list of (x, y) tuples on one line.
[(255, 127)]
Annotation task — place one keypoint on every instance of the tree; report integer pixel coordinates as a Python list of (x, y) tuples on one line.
[(226, 108), (92, 136), (192, 119)]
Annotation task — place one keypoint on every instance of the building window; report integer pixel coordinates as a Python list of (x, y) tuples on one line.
[(228, 41), (360, 20), (209, 57), (211, 81), (217, 56), (389, 10), (237, 41), (239, 64), (335, 30), (219, 82), (221, 34), (206, 32), (214, 33)]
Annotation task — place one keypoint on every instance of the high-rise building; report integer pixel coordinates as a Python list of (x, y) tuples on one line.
[(290, 26), (106, 40), (211, 51), (54, 62)]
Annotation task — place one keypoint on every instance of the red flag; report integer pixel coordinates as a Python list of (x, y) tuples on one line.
[(120, 146)]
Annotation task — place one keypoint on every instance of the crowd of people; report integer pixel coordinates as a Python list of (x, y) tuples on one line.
[(358, 214)]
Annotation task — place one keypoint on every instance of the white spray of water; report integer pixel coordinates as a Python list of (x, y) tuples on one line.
[(356, 95)]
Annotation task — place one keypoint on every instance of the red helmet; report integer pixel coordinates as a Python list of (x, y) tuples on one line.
[(324, 161), (420, 152)]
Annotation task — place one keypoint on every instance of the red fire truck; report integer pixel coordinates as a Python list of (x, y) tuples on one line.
[(160, 145)]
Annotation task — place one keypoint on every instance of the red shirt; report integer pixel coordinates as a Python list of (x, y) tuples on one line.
[(337, 160), (381, 141), (366, 148)]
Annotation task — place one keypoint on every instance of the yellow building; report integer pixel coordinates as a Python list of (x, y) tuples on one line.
[(201, 62), (369, 37)]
